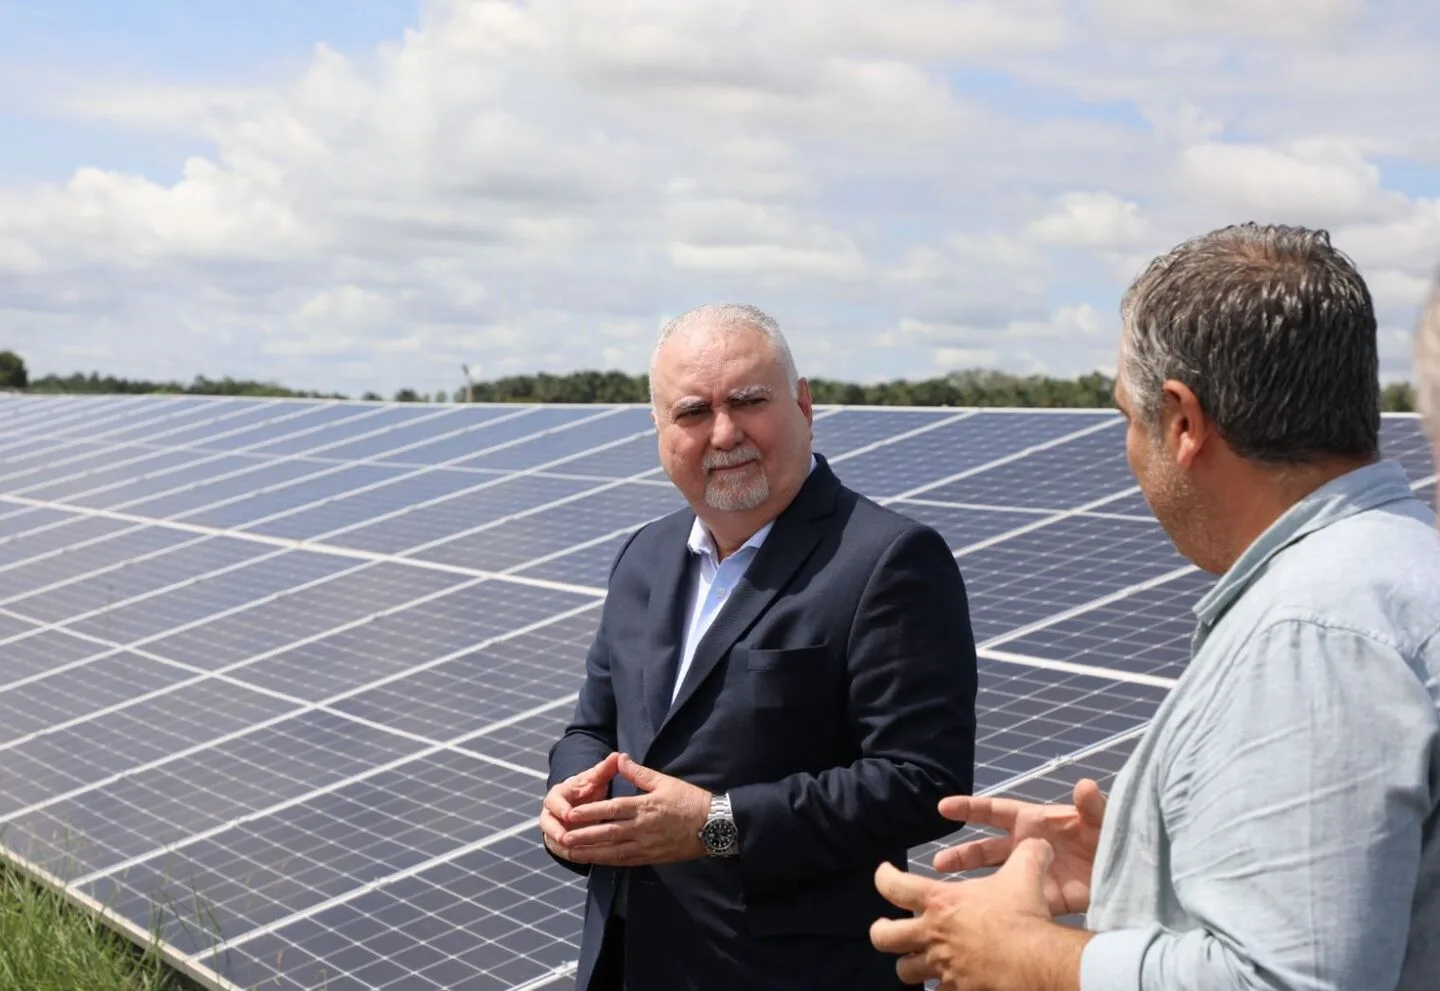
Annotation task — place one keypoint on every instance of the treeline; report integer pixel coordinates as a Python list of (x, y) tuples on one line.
[(973, 387)]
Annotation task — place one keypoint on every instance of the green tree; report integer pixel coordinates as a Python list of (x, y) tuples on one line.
[(13, 374), (407, 396)]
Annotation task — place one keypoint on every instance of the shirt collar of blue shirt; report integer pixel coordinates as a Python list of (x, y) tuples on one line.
[(1351, 493), (701, 542)]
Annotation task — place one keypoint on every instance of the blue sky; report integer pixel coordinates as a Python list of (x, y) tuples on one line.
[(361, 195)]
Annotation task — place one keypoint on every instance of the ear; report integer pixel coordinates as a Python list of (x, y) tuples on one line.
[(1186, 428), (802, 396)]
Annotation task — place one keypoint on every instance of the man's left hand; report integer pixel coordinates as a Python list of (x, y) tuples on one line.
[(659, 826), (989, 934)]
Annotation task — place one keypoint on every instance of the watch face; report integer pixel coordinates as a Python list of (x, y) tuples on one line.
[(719, 834)]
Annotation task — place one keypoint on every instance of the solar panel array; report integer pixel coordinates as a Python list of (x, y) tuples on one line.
[(278, 678)]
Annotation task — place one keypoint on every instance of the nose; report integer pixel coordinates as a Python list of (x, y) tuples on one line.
[(725, 433)]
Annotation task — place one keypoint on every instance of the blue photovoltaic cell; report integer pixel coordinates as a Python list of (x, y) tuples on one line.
[(48, 538), (316, 442), (12, 449), (408, 436), (13, 626), (202, 434), (535, 534), (451, 624), (16, 471), (351, 510), (175, 496), (515, 426), (85, 595), (963, 527), (195, 599), (590, 565), (80, 691), (363, 591), (850, 429), (151, 419), (964, 445), (1029, 716), (581, 438), (175, 424), (1404, 441), (287, 497), (1062, 477), (260, 872), (1059, 566), (138, 482), (143, 814), (464, 695), (125, 739), (492, 919), (1147, 632), (60, 479), (110, 553), (16, 519), (633, 457), (314, 418), (32, 654), (493, 499)]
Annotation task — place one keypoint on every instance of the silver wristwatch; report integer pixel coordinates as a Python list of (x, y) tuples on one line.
[(719, 834)]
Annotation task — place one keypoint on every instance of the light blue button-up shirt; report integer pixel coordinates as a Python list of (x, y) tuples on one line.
[(1279, 824)]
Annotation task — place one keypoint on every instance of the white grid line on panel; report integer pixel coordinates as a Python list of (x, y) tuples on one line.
[(149, 449), (1056, 763), (79, 415), (1084, 607), (874, 445), (16, 433), (488, 483), (1026, 510), (1041, 523), (301, 705), (545, 980), (291, 544), (282, 717), (95, 445), (320, 792), (997, 462), (380, 882), (196, 971), (221, 455), (1070, 667)]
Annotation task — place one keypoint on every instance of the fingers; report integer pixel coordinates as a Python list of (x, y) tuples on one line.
[(1089, 802), (607, 832), (901, 888), (915, 968), (989, 852), (639, 775), (997, 812), (1026, 872), (608, 810), (897, 935)]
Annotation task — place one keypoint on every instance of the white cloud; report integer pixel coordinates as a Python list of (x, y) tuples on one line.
[(907, 186)]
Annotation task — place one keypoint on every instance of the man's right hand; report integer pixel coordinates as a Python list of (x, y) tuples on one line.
[(1073, 832), (578, 789)]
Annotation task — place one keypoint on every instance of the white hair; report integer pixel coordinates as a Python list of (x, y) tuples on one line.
[(1427, 363), (729, 317)]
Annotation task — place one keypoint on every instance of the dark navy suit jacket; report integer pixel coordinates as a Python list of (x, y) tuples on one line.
[(833, 698)]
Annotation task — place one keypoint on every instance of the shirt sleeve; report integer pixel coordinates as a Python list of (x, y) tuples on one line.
[(1294, 807)]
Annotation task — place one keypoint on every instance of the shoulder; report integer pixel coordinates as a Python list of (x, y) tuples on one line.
[(866, 529)]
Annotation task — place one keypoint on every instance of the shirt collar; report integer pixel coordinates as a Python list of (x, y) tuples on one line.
[(700, 541), (1351, 493)]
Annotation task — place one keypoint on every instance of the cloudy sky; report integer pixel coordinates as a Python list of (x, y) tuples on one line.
[(362, 194)]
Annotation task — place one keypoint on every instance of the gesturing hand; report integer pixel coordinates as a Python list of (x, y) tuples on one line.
[(659, 826), (1072, 831), (587, 786)]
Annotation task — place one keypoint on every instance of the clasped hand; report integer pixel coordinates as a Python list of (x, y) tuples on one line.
[(658, 826)]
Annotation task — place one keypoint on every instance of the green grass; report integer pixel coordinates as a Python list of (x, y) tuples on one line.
[(48, 944)]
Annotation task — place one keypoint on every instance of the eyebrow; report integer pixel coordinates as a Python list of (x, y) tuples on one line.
[(744, 394)]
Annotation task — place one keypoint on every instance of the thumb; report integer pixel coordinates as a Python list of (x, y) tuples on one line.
[(639, 775), (1089, 801), (1026, 869)]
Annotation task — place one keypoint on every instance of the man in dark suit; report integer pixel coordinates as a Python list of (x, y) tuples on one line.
[(781, 691)]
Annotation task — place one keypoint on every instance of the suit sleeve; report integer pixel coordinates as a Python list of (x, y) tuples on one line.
[(912, 669), (590, 736)]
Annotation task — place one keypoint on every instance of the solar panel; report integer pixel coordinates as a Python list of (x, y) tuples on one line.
[(278, 677)]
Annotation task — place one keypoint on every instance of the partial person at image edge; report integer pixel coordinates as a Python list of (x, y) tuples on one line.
[(1278, 825)]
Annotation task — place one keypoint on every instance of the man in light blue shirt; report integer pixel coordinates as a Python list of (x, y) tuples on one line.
[(1278, 827)]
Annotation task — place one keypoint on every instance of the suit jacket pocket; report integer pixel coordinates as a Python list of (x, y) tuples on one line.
[(787, 677)]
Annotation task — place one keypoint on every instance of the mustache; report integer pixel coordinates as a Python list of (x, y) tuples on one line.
[(729, 459)]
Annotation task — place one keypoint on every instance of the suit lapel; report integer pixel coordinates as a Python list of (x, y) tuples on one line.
[(666, 618), (794, 536)]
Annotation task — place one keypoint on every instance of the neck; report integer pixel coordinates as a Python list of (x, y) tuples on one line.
[(1255, 496), (730, 530)]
